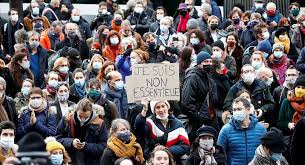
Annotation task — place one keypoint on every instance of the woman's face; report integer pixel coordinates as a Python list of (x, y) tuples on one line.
[(161, 158), (231, 38), (56, 152), (235, 16), (97, 60), (53, 77), (136, 57), (206, 137), (214, 21), (161, 109), (121, 128), (63, 90), (245, 95), (193, 35)]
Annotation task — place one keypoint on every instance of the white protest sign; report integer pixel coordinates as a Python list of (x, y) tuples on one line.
[(153, 81)]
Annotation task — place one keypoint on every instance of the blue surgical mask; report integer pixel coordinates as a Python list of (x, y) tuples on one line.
[(25, 91), (119, 85), (278, 54), (194, 58), (194, 41), (80, 82), (276, 156), (239, 115), (57, 159), (96, 65), (266, 55)]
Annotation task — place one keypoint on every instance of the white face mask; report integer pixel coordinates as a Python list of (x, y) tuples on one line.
[(63, 97), (248, 78), (114, 41), (35, 11), (14, 18), (25, 65), (75, 18), (217, 55), (36, 103), (206, 144), (6, 142), (266, 35), (159, 17), (138, 10), (162, 117), (257, 64)]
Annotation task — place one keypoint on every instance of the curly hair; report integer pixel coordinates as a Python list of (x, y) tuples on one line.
[(198, 33)]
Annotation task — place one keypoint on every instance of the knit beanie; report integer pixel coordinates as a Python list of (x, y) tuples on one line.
[(32, 145), (264, 46), (219, 44), (276, 46), (274, 140), (203, 56), (52, 144), (153, 104)]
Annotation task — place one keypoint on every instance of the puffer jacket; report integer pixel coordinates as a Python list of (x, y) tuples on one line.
[(239, 143)]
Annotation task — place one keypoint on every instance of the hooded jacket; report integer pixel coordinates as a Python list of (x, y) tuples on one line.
[(240, 143)]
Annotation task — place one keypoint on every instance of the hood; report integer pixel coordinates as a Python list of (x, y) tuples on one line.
[(249, 51), (235, 123)]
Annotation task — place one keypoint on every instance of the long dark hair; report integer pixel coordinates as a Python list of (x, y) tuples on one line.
[(185, 58)]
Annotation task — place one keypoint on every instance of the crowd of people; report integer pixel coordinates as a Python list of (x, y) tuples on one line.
[(63, 97)]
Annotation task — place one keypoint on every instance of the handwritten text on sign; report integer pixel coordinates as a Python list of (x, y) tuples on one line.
[(154, 81)]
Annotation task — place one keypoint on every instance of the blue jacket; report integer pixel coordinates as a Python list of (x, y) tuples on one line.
[(119, 98), (247, 36), (123, 65), (240, 144), (276, 18), (94, 134), (216, 10), (45, 124)]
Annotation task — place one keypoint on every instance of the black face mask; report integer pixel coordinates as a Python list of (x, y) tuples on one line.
[(118, 22), (208, 68), (183, 13), (214, 26)]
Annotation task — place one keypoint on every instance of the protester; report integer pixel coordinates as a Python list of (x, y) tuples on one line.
[(7, 106), (161, 155), (58, 153), (7, 136)]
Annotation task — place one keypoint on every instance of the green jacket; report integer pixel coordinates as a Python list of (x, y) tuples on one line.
[(285, 115)]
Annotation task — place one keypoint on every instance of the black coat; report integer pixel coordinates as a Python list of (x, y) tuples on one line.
[(76, 43), (104, 19), (9, 106), (84, 28), (58, 112), (11, 85), (74, 96), (142, 22), (219, 155), (109, 158), (298, 144)]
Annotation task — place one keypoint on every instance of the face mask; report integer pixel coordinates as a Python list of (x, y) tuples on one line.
[(14, 18), (34, 44), (269, 81), (159, 17), (25, 65), (183, 13), (230, 43), (217, 55), (236, 21), (96, 65), (104, 11), (133, 61), (63, 97), (252, 23), (206, 144), (82, 122), (257, 64), (194, 41), (36, 103), (75, 18), (214, 26), (6, 142), (295, 12), (259, 5), (290, 80), (271, 12), (266, 35), (80, 82), (72, 35), (208, 68), (163, 28), (118, 22), (35, 11), (25, 91), (64, 69), (53, 83), (138, 10), (239, 115), (278, 54), (162, 117), (57, 159), (119, 85), (193, 58), (94, 95), (248, 78), (299, 92), (124, 136), (114, 41), (276, 156)]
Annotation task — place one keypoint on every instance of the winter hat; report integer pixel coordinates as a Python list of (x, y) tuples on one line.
[(73, 53), (52, 144), (182, 6), (219, 44), (192, 24), (153, 104), (274, 140), (32, 144), (300, 81), (264, 46), (280, 31), (277, 45), (203, 56), (207, 130)]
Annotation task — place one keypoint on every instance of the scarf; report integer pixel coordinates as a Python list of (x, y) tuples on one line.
[(302, 29), (80, 90), (115, 27), (42, 107), (51, 90), (206, 156), (132, 149), (183, 22), (63, 76), (285, 43), (3, 113), (262, 157), (298, 104)]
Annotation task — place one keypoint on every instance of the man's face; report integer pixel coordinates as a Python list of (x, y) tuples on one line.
[(189, 3), (35, 96), (70, 28), (13, 12), (8, 133), (75, 13), (239, 106), (34, 4), (207, 62), (115, 78), (34, 38), (165, 22)]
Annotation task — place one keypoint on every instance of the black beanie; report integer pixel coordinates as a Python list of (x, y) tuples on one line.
[(274, 140), (300, 81), (219, 44), (32, 144)]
